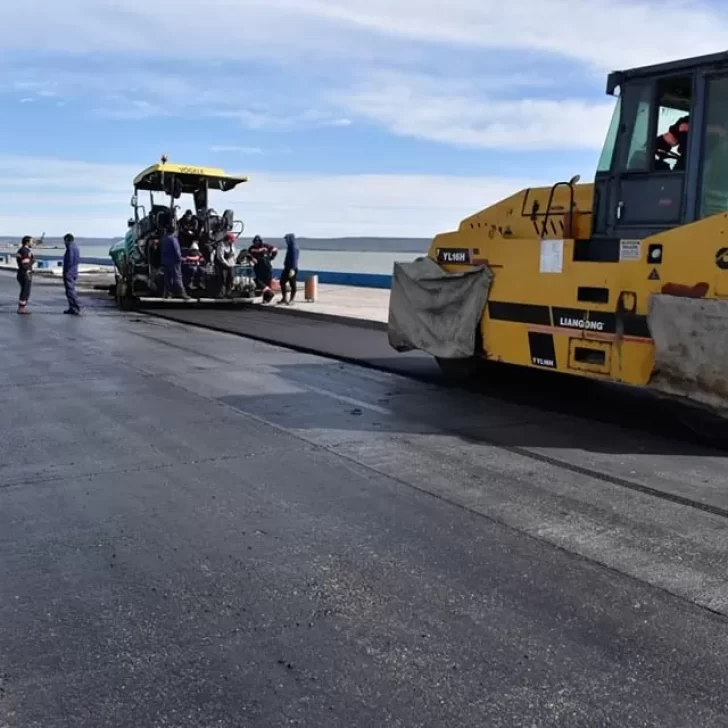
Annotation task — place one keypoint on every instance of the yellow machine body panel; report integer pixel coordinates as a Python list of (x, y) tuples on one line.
[(189, 176), (547, 310)]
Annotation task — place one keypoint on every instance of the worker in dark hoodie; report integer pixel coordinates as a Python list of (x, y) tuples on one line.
[(71, 259), (290, 269), (25, 260)]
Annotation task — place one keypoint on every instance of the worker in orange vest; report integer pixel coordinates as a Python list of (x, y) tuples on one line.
[(192, 269)]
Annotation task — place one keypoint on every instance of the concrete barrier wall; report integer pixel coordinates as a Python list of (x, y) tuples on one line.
[(339, 278)]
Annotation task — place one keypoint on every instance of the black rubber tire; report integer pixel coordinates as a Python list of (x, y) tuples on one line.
[(460, 371), (124, 301)]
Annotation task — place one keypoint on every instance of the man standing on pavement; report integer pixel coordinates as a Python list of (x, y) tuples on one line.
[(225, 263), (263, 255), (71, 260), (290, 269), (172, 264), (24, 259)]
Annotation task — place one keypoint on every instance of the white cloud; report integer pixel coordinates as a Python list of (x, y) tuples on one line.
[(235, 150), (283, 121), (135, 93), (458, 114), (460, 111), (92, 200), (369, 50), (601, 33), (268, 29), (133, 109), (42, 175)]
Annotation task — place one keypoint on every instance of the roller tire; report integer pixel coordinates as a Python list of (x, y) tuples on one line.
[(460, 371)]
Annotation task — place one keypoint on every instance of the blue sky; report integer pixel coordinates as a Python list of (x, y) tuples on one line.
[(353, 117)]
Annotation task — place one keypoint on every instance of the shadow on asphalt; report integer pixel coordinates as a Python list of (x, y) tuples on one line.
[(634, 413), (389, 406)]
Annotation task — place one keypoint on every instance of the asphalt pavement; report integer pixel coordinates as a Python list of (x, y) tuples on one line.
[(199, 529), (368, 345)]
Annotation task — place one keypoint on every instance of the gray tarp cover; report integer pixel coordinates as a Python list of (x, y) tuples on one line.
[(436, 311), (691, 348)]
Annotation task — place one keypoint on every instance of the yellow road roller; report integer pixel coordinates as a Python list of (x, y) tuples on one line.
[(623, 279)]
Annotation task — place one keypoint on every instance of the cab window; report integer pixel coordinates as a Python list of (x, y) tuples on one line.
[(714, 177), (659, 119), (672, 123), (639, 110), (610, 142)]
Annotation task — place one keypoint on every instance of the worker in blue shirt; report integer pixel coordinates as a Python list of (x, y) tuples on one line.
[(172, 265), (290, 269), (71, 259)]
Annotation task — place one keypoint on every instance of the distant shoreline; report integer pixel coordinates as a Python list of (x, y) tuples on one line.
[(354, 244)]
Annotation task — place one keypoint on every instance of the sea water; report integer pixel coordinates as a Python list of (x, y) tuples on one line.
[(342, 261)]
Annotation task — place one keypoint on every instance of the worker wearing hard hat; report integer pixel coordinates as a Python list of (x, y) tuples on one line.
[(192, 269)]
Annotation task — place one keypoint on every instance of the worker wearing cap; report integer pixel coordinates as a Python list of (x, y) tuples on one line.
[(71, 259), (25, 259)]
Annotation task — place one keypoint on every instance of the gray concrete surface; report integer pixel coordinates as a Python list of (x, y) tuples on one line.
[(202, 530)]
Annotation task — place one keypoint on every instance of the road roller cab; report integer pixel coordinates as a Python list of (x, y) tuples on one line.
[(624, 278)]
